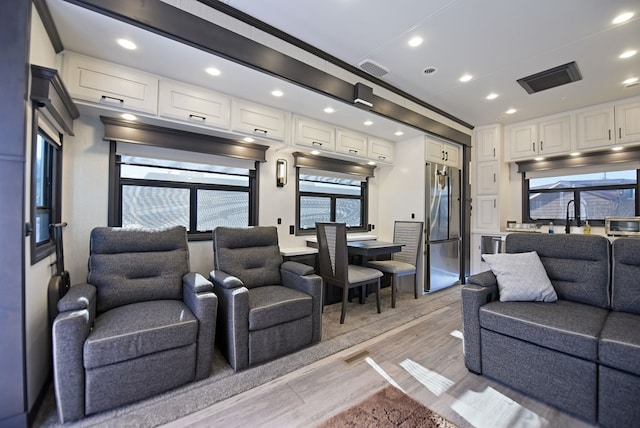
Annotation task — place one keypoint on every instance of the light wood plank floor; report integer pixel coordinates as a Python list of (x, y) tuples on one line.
[(312, 394)]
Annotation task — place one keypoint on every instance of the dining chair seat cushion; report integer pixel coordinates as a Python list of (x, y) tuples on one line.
[(272, 305), (361, 274), (132, 331), (393, 266)]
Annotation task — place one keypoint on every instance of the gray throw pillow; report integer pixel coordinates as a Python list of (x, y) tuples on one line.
[(521, 277)]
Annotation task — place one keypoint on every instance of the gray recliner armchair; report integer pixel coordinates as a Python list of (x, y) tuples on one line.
[(141, 325), (267, 308)]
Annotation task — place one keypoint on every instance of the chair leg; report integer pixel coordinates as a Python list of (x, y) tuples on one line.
[(394, 288), (415, 285), (378, 295), (345, 294)]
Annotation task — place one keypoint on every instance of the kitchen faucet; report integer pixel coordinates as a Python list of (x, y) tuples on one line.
[(576, 215)]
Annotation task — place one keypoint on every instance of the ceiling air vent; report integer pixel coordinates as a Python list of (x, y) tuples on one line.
[(551, 78), (373, 68)]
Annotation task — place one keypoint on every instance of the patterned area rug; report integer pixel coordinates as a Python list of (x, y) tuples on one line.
[(388, 407)]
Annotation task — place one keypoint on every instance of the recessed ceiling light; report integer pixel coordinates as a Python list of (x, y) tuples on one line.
[(628, 54), (371, 163), (127, 44), (630, 81), (466, 77), (492, 96), (329, 110), (315, 152), (538, 158), (398, 133), (368, 122), (575, 154), (511, 111), (213, 71), (248, 140), (415, 41), (616, 149), (128, 116), (624, 17), (277, 93)]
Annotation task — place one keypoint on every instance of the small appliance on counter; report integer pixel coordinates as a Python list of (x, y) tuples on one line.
[(622, 226), (512, 226)]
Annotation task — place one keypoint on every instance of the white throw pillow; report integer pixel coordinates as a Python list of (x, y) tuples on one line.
[(521, 277)]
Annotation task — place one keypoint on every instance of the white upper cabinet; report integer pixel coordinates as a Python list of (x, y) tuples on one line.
[(444, 153), (351, 143), (110, 85), (317, 135), (548, 136), (258, 120), (381, 151), (594, 128), (193, 105), (486, 142), (628, 123), (487, 178)]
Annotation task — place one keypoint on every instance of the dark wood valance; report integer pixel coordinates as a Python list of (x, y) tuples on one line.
[(329, 164), (49, 92), (152, 135)]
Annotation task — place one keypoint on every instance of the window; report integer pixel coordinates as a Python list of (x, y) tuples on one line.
[(331, 197), (598, 194), (159, 193), (45, 193)]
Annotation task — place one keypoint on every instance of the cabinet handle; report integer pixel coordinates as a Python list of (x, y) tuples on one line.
[(195, 116), (260, 131), (442, 155), (494, 177), (609, 135), (353, 151), (494, 152), (619, 132), (108, 99), (316, 143), (382, 157), (534, 147), (541, 146), (446, 156), (494, 203)]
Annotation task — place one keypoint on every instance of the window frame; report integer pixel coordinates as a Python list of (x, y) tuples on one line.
[(526, 192), (117, 183), (40, 250), (364, 205)]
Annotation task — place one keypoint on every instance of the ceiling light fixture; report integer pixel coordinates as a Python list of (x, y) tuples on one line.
[(616, 149), (492, 96), (127, 44), (315, 152), (368, 122), (466, 77), (628, 54), (248, 140), (574, 154), (630, 81), (128, 116), (511, 111), (538, 159), (329, 110), (415, 41), (277, 93), (623, 17), (213, 71), (398, 133)]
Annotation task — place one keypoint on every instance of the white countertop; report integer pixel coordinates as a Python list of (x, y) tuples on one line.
[(351, 237), (297, 251)]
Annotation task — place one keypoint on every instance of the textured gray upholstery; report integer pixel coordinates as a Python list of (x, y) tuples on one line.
[(580, 353), (141, 325), (267, 308)]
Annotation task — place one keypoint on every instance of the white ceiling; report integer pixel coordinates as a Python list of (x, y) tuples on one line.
[(496, 41)]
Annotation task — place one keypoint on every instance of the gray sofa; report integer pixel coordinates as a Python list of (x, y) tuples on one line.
[(580, 353), (141, 325)]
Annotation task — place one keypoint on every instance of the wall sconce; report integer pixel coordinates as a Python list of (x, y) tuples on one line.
[(281, 172)]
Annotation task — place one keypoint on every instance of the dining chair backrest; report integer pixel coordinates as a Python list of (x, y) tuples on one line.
[(408, 233), (333, 257)]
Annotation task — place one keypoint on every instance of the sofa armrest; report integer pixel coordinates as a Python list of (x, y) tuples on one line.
[(473, 297), (79, 297), (307, 283), (232, 330), (297, 268), (198, 295), (484, 279), (224, 280)]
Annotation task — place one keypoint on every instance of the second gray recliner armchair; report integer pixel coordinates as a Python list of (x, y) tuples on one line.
[(267, 308)]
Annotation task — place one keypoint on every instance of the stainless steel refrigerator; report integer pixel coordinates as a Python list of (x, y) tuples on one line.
[(442, 227)]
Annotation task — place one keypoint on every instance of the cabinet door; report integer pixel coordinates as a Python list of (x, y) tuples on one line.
[(486, 210), (628, 123), (193, 105), (595, 128), (522, 142), (554, 136), (435, 151), (486, 144), (351, 143), (110, 85), (317, 135), (487, 178), (380, 150), (258, 120), (451, 155)]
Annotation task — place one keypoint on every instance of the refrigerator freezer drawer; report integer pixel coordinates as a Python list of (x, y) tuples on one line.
[(442, 265)]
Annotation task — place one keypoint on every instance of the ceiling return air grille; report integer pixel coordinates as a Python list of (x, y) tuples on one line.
[(373, 68), (551, 78)]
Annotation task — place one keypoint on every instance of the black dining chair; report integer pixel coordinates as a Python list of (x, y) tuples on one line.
[(408, 233), (334, 267)]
